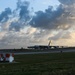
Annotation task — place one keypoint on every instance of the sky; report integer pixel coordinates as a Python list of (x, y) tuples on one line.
[(35, 22), (36, 4)]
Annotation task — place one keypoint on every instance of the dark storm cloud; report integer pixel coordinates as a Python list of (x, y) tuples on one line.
[(4, 16)]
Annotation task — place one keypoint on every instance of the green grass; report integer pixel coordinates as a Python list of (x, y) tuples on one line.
[(41, 64)]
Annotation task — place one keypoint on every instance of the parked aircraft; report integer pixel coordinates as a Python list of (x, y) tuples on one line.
[(49, 46)]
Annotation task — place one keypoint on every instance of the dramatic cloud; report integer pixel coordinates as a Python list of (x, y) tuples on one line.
[(61, 18), (22, 28)]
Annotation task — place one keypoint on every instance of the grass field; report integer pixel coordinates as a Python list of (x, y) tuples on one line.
[(41, 64)]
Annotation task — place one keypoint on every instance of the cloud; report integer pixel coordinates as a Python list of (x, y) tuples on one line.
[(16, 26), (61, 35), (23, 7), (4, 16), (48, 19), (67, 2), (23, 16), (61, 18), (23, 30)]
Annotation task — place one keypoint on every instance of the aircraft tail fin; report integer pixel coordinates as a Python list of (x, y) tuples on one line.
[(49, 43)]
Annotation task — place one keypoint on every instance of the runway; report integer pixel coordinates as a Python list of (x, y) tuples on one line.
[(45, 52), (19, 52)]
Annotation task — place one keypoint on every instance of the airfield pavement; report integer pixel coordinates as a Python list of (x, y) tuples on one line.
[(32, 51)]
